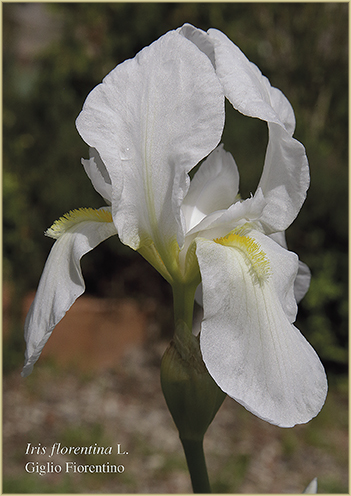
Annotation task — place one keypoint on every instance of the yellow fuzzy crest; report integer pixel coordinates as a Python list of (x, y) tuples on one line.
[(254, 256), (73, 217)]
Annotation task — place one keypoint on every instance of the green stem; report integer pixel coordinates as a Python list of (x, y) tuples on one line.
[(195, 458), (183, 300), (183, 303)]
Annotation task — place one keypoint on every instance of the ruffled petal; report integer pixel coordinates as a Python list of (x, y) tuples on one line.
[(152, 120), (245, 87), (62, 282), (200, 39), (98, 175), (249, 345), (214, 187), (285, 177)]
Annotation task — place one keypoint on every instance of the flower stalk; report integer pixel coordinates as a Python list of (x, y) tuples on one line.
[(192, 397), (195, 458)]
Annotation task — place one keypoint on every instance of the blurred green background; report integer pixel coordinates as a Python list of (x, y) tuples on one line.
[(50, 67)]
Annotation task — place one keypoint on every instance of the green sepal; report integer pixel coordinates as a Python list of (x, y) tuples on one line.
[(192, 396)]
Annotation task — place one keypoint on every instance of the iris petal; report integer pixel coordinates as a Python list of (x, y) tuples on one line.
[(149, 121), (248, 342), (61, 283), (285, 177), (98, 175), (214, 187), (303, 277)]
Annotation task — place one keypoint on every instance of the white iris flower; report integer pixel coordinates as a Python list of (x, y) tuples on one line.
[(149, 123)]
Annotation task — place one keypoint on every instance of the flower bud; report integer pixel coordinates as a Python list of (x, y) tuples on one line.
[(192, 396)]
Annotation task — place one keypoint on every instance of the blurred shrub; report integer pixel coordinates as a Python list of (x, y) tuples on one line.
[(301, 47)]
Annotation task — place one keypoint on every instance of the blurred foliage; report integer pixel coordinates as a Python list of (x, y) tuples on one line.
[(301, 47)]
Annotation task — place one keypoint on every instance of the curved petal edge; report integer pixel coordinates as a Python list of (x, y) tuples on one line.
[(60, 285), (250, 347)]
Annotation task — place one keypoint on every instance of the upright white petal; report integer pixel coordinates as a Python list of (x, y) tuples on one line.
[(221, 222), (200, 39), (285, 177), (61, 282), (249, 345), (152, 120), (244, 85), (214, 187), (246, 88)]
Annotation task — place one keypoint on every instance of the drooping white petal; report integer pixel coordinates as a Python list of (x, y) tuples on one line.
[(249, 345), (61, 282), (152, 120), (214, 187), (284, 266), (98, 175)]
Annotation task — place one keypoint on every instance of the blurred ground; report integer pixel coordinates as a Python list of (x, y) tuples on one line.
[(81, 405)]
